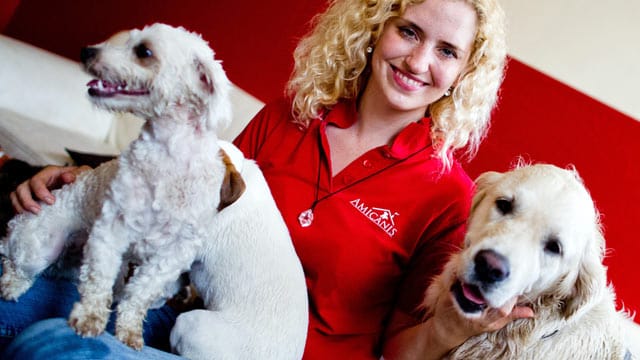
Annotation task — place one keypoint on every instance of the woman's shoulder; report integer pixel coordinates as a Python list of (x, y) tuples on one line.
[(277, 107), (274, 120), (456, 180), (460, 176)]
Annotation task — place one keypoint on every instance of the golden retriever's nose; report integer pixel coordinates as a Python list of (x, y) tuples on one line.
[(491, 267)]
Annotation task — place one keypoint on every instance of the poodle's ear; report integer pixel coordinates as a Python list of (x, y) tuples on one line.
[(205, 75), (233, 185), (214, 86), (483, 181), (591, 278)]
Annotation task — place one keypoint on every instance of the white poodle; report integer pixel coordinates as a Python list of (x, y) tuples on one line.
[(176, 198), (534, 233)]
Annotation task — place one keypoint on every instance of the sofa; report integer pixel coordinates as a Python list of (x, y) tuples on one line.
[(44, 110)]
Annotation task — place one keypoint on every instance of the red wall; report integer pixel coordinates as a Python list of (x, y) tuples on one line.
[(7, 7), (538, 118)]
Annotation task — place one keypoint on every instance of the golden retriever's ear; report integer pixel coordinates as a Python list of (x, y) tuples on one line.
[(488, 178), (591, 278), (232, 186), (483, 181)]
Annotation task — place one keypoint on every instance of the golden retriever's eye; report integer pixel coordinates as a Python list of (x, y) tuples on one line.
[(504, 205), (142, 51), (553, 246)]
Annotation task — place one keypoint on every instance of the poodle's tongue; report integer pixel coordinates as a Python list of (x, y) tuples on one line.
[(472, 293), (105, 88), (102, 88)]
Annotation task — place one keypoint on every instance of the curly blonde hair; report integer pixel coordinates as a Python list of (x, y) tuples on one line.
[(331, 63)]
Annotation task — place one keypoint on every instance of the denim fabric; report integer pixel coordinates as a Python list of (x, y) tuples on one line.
[(53, 339), (47, 298), (54, 298)]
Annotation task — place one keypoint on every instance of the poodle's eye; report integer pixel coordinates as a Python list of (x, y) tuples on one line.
[(142, 51), (504, 205), (553, 246)]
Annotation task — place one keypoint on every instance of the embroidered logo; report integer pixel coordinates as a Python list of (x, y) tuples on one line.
[(383, 218)]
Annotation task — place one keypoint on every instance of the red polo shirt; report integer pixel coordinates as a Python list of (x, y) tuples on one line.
[(374, 244)]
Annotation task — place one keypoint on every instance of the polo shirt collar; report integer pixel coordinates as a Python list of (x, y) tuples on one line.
[(412, 138)]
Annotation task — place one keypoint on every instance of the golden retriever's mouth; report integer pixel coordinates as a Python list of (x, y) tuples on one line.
[(468, 297), (104, 88)]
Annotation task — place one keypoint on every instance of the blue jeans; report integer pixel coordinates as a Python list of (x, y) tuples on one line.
[(53, 298), (53, 339)]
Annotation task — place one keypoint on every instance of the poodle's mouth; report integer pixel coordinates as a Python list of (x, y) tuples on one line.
[(468, 297), (104, 88)]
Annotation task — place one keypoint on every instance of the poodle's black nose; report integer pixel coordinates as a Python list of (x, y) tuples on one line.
[(87, 54), (491, 267)]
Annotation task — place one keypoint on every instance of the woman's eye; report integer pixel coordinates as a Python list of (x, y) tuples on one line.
[(449, 53), (142, 51), (407, 32)]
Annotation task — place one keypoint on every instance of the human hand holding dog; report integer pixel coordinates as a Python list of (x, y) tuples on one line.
[(25, 197), (448, 328), (451, 328)]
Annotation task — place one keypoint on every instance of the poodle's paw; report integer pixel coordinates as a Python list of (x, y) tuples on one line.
[(87, 321), (12, 286), (130, 336)]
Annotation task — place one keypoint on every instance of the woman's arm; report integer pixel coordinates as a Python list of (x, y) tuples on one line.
[(445, 330)]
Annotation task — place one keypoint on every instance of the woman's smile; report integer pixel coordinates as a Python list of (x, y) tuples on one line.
[(406, 81)]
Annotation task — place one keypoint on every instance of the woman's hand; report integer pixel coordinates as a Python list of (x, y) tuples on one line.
[(445, 330), (453, 328), (26, 195)]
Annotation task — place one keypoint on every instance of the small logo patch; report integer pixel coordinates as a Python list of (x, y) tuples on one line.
[(383, 218)]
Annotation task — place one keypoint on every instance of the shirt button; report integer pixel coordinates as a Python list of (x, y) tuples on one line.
[(367, 164)]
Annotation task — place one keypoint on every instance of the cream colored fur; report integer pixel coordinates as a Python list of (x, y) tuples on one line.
[(554, 247), (157, 206)]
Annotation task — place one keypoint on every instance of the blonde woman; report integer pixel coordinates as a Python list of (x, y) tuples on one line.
[(361, 157)]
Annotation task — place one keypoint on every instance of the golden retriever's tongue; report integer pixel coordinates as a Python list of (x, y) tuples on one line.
[(473, 294)]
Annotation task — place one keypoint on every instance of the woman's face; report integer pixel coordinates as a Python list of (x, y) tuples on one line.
[(421, 54)]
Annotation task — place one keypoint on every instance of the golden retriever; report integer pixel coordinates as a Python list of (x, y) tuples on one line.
[(534, 233)]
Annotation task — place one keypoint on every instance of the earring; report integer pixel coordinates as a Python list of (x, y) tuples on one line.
[(369, 49), (448, 92)]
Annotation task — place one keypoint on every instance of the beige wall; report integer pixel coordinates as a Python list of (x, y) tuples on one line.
[(592, 45)]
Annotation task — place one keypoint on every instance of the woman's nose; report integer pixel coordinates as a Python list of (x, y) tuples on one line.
[(420, 59)]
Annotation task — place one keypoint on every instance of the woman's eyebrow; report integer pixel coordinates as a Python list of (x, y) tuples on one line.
[(411, 24)]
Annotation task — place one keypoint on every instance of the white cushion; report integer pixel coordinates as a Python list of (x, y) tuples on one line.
[(40, 143), (47, 87)]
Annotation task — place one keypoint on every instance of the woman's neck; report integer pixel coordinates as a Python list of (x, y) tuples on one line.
[(377, 125), (377, 115)]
